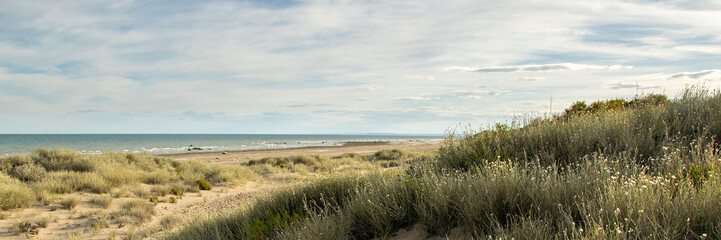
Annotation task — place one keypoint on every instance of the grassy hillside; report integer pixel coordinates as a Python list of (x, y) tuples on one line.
[(645, 168)]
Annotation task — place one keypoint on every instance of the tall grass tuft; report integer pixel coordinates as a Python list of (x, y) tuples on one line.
[(69, 203), (14, 194), (134, 211), (102, 201)]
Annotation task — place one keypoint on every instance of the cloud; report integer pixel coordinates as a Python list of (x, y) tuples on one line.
[(627, 85), (416, 98), (478, 94), (86, 111), (497, 92), (201, 115), (308, 105), (469, 94), (697, 75), (531, 79), (320, 62), (420, 78), (368, 88), (539, 68)]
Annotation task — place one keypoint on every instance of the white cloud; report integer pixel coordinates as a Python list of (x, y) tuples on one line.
[(632, 85), (417, 98), (241, 59), (470, 94), (478, 94), (703, 74), (531, 79), (539, 68)]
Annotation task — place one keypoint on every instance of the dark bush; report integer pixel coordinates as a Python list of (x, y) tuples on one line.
[(203, 185)]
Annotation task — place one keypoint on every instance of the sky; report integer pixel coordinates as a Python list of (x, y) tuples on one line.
[(300, 67)]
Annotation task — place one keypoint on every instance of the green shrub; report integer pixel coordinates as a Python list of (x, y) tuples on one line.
[(203, 185), (698, 174), (270, 222), (177, 191), (577, 108)]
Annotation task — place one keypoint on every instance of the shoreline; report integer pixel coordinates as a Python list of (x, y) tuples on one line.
[(201, 145), (346, 144), (348, 147)]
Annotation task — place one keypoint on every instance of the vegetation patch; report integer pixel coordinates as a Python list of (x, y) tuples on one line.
[(69, 203), (134, 211), (102, 201), (617, 169), (14, 194), (203, 185)]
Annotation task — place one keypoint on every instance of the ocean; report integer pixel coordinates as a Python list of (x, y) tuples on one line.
[(179, 143)]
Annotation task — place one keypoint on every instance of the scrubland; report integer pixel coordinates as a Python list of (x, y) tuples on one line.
[(61, 194), (615, 169)]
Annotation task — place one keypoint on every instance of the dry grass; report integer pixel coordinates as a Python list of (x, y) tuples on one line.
[(14, 194), (69, 203), (134, 211), (646, 171), (103, 201), (62, 171)]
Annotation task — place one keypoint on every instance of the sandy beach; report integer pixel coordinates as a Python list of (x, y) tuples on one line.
[(350, 147)]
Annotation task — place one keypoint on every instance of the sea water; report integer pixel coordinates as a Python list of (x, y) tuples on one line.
[(179, 143)]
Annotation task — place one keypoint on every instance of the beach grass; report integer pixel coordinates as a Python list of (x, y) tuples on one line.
[(14, 193), (124, 189), (640, 169), (69, 203), (61, 171), (103, 201)]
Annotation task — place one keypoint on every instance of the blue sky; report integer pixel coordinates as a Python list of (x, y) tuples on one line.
[(337, 66)]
